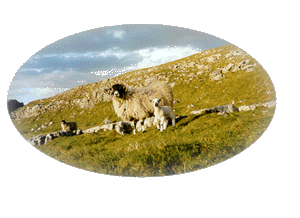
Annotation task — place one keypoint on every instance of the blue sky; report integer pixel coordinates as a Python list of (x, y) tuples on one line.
[(102, 53)]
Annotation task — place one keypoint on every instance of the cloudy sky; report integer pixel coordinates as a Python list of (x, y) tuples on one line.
[(101, 53)]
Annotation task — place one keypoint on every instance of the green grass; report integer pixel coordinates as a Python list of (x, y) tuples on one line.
[(195, 143)]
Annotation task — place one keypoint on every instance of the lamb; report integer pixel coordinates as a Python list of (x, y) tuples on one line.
[(135, 104), (68, 126), (162, 114)]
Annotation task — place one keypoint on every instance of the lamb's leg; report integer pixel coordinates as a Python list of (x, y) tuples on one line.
[(157, 123), (173, 121), (162, 121), (165, 124)]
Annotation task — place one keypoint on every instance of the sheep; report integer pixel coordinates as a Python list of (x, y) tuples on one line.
[(162, 114), (135, 104), (68, 126)]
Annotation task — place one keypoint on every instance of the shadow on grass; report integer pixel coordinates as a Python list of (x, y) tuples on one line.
[(190, 119)]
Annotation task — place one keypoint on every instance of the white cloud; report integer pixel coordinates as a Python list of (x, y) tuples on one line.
[(48, 84), (157, 56), (40, 92), (115, 51), (117, 33), (30, 69)]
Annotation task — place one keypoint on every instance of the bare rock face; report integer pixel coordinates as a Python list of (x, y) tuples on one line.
[(13, 105)]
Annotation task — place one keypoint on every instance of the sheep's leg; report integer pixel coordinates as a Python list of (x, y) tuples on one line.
[(143, 126), (134, 127), (156, 122), (165, 124), (173, 121), (162, 121)]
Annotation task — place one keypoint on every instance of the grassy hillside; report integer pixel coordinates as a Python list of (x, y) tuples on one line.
[(197, 141)]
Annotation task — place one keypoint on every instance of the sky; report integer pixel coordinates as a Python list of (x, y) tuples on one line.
[(102, 53)]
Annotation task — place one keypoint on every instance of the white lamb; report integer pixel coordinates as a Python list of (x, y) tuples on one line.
[(162, 113)]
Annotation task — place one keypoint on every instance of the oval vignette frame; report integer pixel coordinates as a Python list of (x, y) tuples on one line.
[(223, 99)]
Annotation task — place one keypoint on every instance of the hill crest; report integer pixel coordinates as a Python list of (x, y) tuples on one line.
[(203, 80)]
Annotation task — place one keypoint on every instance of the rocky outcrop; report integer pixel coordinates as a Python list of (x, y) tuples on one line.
[(200, 112), (98, 128), (124, 127), (216, 75), (227, 68), (13, 105), (230, 108), (43, 139)]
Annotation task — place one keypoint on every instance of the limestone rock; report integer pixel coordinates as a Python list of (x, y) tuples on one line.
[(49, 137), (227, 68), (216, 75), (244, 108), (79, 132), (200, 112), (37, 140), (200, 72), (108, 127), (92, 130), (229, 108), (269, 104), (107, 121), (252, 107), (200, 66), (213, 58)]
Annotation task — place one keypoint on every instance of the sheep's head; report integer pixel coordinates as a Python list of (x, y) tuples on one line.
[(155, 102), (118, 90)]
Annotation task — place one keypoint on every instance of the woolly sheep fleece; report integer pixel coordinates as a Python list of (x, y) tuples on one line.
[(68, 126), (136, 104)]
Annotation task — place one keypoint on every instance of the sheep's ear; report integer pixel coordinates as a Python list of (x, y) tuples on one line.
[(124, 88)]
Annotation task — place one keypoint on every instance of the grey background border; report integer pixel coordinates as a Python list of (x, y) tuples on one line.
[(260, 182)]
